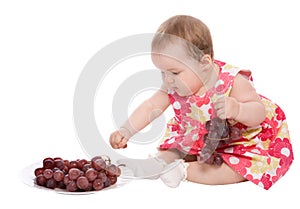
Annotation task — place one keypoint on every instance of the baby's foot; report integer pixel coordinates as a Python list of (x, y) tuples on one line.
[(150, 168), (174, 173)]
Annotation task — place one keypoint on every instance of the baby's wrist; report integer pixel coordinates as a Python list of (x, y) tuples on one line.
[(125, 132), (237, 112), (234, 110)]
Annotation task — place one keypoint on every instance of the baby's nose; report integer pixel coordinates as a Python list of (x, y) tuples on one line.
[(169, 78)]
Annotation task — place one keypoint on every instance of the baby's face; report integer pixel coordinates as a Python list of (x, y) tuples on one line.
[(179, 72)]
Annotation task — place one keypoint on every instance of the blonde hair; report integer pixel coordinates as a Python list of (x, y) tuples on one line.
[(195, 33)]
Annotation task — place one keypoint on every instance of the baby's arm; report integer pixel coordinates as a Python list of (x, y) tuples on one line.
[(141, 117), (243, 104)]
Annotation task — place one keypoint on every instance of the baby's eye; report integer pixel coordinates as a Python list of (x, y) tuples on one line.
[(175, 73)]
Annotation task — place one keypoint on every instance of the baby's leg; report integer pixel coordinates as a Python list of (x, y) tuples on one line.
[(169, 155), (152, 167), (211, 174)]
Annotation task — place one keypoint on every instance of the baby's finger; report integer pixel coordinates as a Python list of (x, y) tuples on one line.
[(221, 113), (123, 143), (115, 141), (219, 105)]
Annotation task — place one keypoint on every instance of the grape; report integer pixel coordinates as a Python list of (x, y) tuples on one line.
[(48, 163), (67, 163), (98, 184), (58, 163), (107, 183), (89, 187), (218, 160), (98, 164), (207, 125), (91, 174), (48, 173), (73, 164), (72, 186), (51, 183), (102, 175), (41, 180), (235, 133), (225, 132), (58, 175), (81, 163), (38, 171), (66, 169), (113, 170), (66, 179), (85, 167), (74, 173), (77, 175), (217, 129), (82, 182), (60, 184), (113, 179)]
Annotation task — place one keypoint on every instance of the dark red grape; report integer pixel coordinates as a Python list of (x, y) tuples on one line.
[(58, 163), (67, 163), (51, 184), (73, 164), (89, 187), (72, 186), (58, 175), (66, 169), (235, 133), (218, 160), (85, 167), (81, 163), (48, 173), (41, 180), (74, 173), (77, 175), (91, 174), (48, 163), (113, 170), (107, 182), (113, 179), (38, 171), (98, 184), (207, 125), (102, 176), (82, 182), (67, 179), (225, 132), (60, 184), (98, 164)]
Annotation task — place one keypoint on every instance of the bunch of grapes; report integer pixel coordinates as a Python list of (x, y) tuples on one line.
[(219, 133), (77, 175)]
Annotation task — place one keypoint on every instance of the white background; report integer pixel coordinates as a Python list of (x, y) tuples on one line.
[(44, 45)]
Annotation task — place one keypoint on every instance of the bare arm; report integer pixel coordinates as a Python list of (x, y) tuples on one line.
[(243, 104), (146, 113), (140, 118)]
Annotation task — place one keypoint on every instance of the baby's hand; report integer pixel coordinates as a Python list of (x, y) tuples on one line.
[(117, 140), (227, 107)]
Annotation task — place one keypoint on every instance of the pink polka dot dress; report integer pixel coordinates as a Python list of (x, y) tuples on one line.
[(262, 154)]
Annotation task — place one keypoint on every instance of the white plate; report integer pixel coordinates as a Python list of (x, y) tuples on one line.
[(28, 178)]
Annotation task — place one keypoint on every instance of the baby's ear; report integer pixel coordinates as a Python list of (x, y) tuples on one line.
[(206, 59)]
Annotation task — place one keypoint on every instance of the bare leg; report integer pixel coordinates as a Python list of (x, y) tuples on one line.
[(213, 175), (169, 155)]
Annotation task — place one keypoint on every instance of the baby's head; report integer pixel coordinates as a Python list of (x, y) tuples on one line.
[(190, 32), (182, 49)]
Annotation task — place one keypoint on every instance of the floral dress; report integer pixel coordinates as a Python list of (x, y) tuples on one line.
[(262, 154)]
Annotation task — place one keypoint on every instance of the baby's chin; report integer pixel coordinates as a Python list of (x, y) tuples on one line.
[(182, 94)]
